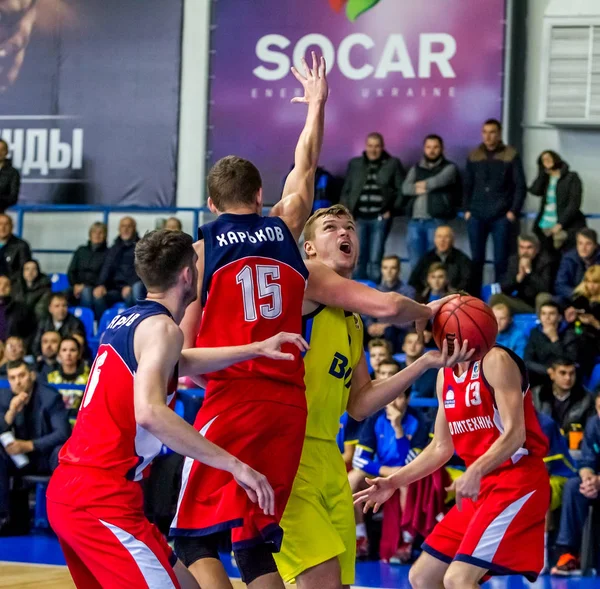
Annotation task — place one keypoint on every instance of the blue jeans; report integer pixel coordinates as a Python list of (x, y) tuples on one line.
[(573, 515), (479, 231), (420, 238), (372, 234)]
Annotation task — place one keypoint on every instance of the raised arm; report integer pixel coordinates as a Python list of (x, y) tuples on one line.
[(157, 345), (296, 202), (434, 456)]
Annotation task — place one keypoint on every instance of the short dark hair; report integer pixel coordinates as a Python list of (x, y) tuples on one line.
[(434, 137), (233, 181), (552, 304), (588, 233), (71, 339), (160, 256), (494, 122), (58, 295), (376, 135), (392, 257), (531, 238), (436, 267), (11, 364), (562, 361), (391, 362)]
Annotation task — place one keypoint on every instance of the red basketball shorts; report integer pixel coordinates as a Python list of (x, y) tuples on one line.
[(108, 545), (503, 531), (265, 435)]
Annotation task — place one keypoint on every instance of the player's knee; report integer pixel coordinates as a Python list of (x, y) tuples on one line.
[(419, 578), (455, 579), (326, 575), (190, 549), (255, 562)]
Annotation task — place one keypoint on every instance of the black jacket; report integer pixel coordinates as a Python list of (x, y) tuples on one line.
[(15, 253), (118, 269), (569, 192), (20, 320), (390, 177), (70, 326), (444, 189), (494, 182), (36, 296), (457, 264), (580, 405), (86, 264), (540, 279), (10, 183), (46, 415)]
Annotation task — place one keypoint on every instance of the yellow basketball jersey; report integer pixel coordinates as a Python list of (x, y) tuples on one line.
[(336, 344)]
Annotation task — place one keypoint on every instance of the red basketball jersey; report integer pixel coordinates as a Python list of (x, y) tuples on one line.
[(473, 416), (106, 435), (254, 282)]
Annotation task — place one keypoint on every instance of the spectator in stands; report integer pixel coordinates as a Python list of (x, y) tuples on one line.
[(527, 282), (13, 250), (371, 189), (118, 280), (85, 267), (10, 179), (37, 418), (379, 350), (431, 195), (547, 342), (173, 224), (47, 361), (15, 319), (437, 284), (72, 371), (509, 335), (414, 348), (58, 319), (575, 262), (383, 446), (578, 494), (456, 263), (33, 288), (390, 282), (495, 191), (14, 349), (563, 398), (560, 216)]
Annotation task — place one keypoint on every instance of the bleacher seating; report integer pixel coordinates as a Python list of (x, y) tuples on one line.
[(368, 283), (59, 281), (108, 316), (488, 290), (86, 316), (525, 322)]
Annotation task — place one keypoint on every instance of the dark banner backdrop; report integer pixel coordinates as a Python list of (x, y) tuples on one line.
[(89, 99)]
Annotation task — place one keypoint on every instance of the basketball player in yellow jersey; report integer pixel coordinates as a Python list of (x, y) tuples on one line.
[(319, 542)]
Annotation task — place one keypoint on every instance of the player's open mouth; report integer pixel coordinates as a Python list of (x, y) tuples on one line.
[(346, 247)]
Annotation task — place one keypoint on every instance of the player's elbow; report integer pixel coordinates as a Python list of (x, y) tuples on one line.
[(518, 436), (444, 451), (147, 416), (357, 410)]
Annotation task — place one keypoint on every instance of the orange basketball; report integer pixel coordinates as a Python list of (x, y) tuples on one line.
[(462, 318)]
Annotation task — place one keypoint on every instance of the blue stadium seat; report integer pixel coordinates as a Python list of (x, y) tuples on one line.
[(593, 382), (59, 281), (488, 290), (525, 322), (108, 316), (368, 283), (86, 316), (401, 358)]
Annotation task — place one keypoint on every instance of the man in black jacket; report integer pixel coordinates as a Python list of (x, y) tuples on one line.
[(15, 318), (10, 179), (372, 187), (14, 251), (431, 195), (85, 267), (457, 264), (563, 398), (528, 281), (37, 418), (495, 191), (118, 280)]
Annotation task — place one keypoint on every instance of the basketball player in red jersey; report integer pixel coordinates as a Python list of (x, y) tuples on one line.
[(497, 525), (95, 502)]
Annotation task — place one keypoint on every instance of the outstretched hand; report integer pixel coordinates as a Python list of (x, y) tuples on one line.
[(271, 348), (379, 491), (442, 359), (314, 81)]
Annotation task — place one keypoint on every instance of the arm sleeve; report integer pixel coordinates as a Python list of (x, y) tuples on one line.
[(347, 187), (106, 267), (531, 358), (590, 449), (574, 202), (520, 186), (408, 186), (72, 272), (446, 177), (468, 184), (539, 186), (60, 427), (562, 285)]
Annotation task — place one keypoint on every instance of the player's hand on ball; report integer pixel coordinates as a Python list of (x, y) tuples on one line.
[(466, 487), (271, 348), (443, 359), (434, 307), (314, 81), (379, 491), (257, 487)]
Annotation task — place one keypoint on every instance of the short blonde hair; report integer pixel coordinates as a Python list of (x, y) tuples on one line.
[(332, 211), (592, 274)]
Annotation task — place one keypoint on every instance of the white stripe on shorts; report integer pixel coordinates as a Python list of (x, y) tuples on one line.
[(151, 568), (492, 537)]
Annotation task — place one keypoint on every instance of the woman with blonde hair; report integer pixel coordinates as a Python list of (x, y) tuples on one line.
[(589, 287)]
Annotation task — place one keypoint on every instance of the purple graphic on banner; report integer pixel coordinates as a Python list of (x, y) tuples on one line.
[(400, 67)]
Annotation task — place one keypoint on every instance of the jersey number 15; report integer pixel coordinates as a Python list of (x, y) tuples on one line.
[(268, 290)]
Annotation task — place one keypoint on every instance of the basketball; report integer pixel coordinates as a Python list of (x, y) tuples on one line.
[(466, 318)]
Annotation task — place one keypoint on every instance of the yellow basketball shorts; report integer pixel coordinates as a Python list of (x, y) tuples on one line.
[(318, 522)]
